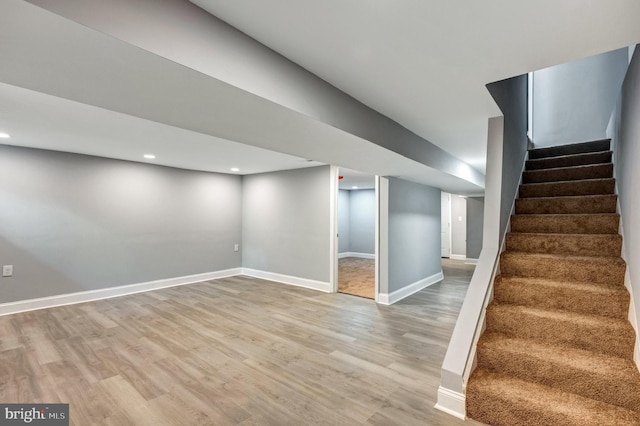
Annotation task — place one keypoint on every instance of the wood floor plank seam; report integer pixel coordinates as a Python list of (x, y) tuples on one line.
[(236, 351)]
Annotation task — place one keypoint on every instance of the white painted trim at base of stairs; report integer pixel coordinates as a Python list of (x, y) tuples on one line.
[(354, 254), (451, 402), (391, 298), (458, 257), (470, 261), (469, 326), (109, 292), (288, 279)]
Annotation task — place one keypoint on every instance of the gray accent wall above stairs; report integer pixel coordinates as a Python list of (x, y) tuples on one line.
[(624, 130), (572, 102), (511, 97), (71, 223)]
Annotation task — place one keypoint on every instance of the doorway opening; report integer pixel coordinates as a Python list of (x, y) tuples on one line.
[(357, 233), (454, 226)]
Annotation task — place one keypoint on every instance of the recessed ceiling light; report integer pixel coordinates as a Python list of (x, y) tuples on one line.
[(149, 156), (5, 135), (235, 169), (354, 187)]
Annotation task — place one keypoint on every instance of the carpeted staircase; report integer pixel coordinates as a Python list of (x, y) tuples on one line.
[(558, 348)]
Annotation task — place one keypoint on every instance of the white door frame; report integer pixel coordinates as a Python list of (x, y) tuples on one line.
[(333, 229), (448, 219), (376, 290)]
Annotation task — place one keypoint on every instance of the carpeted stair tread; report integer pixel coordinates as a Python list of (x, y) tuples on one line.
[(569, 160), (558, 348), (501, 400), (602, 223), (576, 148), (593, 171), (577, 297), (568, 244), (608, 379), (608, 336), (570, 187), (567, 205), (602, 270)]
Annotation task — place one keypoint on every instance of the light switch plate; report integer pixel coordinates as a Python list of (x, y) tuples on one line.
[(7, 270)]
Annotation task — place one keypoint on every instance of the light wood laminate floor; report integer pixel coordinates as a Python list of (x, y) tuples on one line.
[(357, 276), (236, 351)]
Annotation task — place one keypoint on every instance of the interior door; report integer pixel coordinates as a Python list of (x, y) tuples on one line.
[(445, 224)]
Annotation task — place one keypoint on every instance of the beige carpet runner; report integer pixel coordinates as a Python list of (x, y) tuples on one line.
[(558, 348)]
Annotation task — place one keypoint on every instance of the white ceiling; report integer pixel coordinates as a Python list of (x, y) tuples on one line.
[(42, 121), (425, 63), (351, 178), (56, 56)]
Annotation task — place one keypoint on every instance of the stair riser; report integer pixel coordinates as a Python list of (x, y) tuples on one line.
[(562, 298), (503, 401), (563, 269), (497, 411), (601, 387), (571, 188), (574, 160), (607, 224), (598, 337), (573, 245), (579, 148), (567, 205), (600, 171)]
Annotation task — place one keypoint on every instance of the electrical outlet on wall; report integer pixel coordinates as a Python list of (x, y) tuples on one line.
[(7, 270), (236, 247)]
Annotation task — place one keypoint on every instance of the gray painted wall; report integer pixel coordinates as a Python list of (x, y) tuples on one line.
[(362, 221), (624, 130), (413, 233), (475, 221), (72, 223), (511, 97), (344, 234), (357, 221), (285, 222), (458, 225), (572, 102)]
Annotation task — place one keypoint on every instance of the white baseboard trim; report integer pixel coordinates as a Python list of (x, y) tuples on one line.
[(288, 279), (354, 254), (458, 257), (391, 298), (106, 293), (470, 261), (451, 402)]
